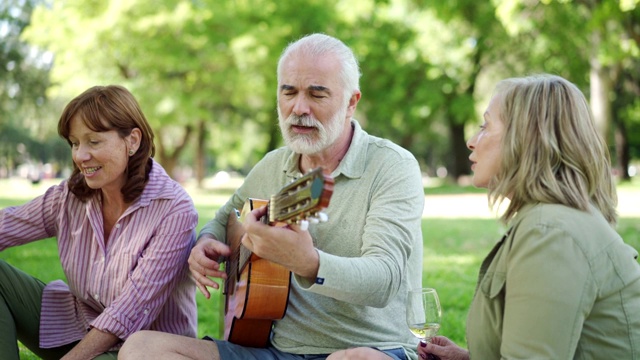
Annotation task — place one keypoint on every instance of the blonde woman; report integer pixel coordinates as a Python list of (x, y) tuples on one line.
[(561, 283)]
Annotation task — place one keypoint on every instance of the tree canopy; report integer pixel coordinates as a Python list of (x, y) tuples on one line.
[(204, 71)]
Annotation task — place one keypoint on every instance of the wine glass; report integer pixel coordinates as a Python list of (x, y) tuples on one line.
[(423, 313)]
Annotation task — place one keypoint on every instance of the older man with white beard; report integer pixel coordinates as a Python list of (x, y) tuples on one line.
[(351, 274)]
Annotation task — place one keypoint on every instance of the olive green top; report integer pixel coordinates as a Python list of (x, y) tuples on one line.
[(561, 284)]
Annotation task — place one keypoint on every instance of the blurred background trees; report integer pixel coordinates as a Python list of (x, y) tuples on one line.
[(204, 71), (25, 136)]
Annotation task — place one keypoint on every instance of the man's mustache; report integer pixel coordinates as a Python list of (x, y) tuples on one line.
[(305, 120)]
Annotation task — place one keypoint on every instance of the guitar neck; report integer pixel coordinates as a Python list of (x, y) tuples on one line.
[(297, 201), (301, 199)]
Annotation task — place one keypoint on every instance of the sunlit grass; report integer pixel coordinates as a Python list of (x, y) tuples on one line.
[(453, 251)]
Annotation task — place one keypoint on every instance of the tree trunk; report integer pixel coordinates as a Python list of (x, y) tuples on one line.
[(460, 152), (200, 164), (460, 160), (600, 84), (623, 155), (274, 133), (169, 160)]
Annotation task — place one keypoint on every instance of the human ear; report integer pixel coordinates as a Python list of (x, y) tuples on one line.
[(133, 140), (353, 102)]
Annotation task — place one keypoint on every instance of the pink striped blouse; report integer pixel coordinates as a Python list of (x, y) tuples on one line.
[(137, 280)]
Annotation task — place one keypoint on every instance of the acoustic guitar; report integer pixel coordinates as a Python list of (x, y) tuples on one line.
[(256, 291)]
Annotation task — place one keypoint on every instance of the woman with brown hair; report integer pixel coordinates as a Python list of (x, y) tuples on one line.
[(124, 230)]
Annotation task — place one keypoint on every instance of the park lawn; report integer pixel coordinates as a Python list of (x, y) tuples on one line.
[(453, 251)]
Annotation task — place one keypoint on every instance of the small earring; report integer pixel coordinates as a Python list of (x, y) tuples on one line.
[(131, 152)]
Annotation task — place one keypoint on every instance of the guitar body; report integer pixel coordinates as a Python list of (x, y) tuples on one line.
[(260, 290), (257, 290), (261, 295)]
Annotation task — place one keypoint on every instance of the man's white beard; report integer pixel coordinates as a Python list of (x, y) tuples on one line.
[(316, 141)]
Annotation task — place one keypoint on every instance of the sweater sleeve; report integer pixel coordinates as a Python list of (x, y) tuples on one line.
[(257, 184), (392, 231)]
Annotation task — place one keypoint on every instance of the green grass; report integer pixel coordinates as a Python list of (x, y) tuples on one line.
[(435, 186), (453, 251)]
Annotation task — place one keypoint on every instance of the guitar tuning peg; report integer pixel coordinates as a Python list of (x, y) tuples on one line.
[(304, 225), (322, 217), (314, 220)]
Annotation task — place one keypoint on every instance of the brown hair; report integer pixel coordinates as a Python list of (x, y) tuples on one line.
[(106, 108)]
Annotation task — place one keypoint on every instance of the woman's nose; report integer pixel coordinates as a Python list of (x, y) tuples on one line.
[(81, 154), (471, 142)]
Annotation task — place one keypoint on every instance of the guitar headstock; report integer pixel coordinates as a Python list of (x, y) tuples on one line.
[(302, 199)]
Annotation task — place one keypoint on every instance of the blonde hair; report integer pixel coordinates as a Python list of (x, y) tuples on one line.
[(551, 150)]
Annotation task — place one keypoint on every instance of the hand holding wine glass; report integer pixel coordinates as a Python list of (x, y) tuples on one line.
[(423, 313)]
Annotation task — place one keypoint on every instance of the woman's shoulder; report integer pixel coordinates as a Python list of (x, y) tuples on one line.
[(162, 186), (586, 228), (60, 193), (561, 216)]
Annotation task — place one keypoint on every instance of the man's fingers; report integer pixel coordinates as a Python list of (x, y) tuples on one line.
[(203, 290), (216, 249), (258, 213), (246, 241), (203, 283)]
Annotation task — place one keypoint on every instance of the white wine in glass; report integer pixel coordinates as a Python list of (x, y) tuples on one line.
[(423, 313)]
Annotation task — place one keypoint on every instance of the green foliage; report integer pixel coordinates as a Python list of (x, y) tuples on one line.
[(23, 82), (23, 71), (204, 71), (404, 113), (548, 46)]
